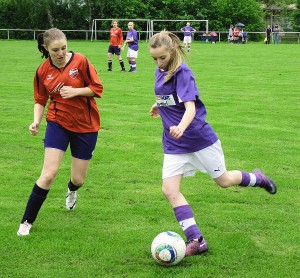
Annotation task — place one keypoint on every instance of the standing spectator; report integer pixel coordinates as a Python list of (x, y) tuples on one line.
[(189, 142), (276, 34), (188, 30), (132, 41), (71, 83), (242, 36), (116, 40), (268, 34), (230, 34)]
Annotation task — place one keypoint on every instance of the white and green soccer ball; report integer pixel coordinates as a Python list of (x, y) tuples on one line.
[(168, 248)]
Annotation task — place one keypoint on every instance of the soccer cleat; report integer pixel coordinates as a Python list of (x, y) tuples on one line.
[(24, 229), (71, 199), (109, 69), (123, 70), (266, 182), (196, 247)]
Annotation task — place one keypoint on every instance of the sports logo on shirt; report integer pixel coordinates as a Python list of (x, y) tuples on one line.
[(73, 73), (165, 100), (57, 88)]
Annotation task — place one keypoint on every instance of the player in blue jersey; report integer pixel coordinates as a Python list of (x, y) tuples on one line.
[(189, 142), (133, 46), (187, 40)]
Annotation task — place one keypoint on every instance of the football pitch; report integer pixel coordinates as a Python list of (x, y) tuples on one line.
[(252, 96)]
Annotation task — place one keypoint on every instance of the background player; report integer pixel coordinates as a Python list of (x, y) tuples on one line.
[(132, 41), (187, 40), (115, 44)]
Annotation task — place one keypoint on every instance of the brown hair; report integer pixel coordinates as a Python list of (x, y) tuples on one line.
[(172, 43), (47, 37)]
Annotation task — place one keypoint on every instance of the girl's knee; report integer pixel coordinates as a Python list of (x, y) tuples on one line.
[(48, 177), (168, 192)]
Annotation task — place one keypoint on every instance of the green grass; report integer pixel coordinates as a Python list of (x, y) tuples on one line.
[(252, 95)]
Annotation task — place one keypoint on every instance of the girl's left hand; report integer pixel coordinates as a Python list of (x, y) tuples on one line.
[(176, 132), (67, 92)]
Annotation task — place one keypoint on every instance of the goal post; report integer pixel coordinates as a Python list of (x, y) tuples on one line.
[(199, 22), (97, 22)]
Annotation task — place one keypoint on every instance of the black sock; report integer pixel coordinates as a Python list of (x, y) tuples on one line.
[(72, 186), (122, 64), (110, 64), (35, 202)]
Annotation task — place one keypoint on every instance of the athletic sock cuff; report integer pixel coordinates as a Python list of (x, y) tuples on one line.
[(40, 191), (72, 186)]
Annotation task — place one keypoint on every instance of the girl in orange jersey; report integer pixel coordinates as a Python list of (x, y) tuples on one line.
[(115, 44), (71, 83)]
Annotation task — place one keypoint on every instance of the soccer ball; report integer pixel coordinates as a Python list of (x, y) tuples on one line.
[(168, 248)]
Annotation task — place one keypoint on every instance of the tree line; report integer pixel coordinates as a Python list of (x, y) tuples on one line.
[(79, 14)]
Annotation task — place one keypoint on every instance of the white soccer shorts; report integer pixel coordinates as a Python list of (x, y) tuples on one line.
[(132, 53), (209, 160), (187, 39)]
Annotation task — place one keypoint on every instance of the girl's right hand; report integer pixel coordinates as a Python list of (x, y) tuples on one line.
[(34, 129), (154, 111)]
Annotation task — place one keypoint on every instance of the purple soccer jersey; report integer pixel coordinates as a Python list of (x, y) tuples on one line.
[(170, 98), (187, 30), (133, 34)]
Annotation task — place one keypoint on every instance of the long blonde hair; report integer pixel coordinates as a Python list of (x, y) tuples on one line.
[(172, 43)]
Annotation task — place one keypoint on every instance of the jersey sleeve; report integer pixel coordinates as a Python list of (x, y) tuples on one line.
[(120, 37), (185, 85), (92, 79), (41, 95)]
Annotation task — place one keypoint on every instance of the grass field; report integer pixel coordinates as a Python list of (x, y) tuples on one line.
[(252, 95)]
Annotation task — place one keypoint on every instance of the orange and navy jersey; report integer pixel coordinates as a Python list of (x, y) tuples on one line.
[(116, 36), (78, 114)]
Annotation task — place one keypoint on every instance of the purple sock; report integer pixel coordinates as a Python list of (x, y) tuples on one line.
[(250, 179), (245, 179), (185, 218)]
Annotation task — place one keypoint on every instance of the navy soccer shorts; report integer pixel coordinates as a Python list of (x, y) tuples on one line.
[(114, 50), (82, 145)]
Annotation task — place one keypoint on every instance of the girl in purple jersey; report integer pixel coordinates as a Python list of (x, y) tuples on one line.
[(189, 142), (133, 46), (188, 30)]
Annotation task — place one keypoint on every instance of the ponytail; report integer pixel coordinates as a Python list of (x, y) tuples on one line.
[(41, 47)]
